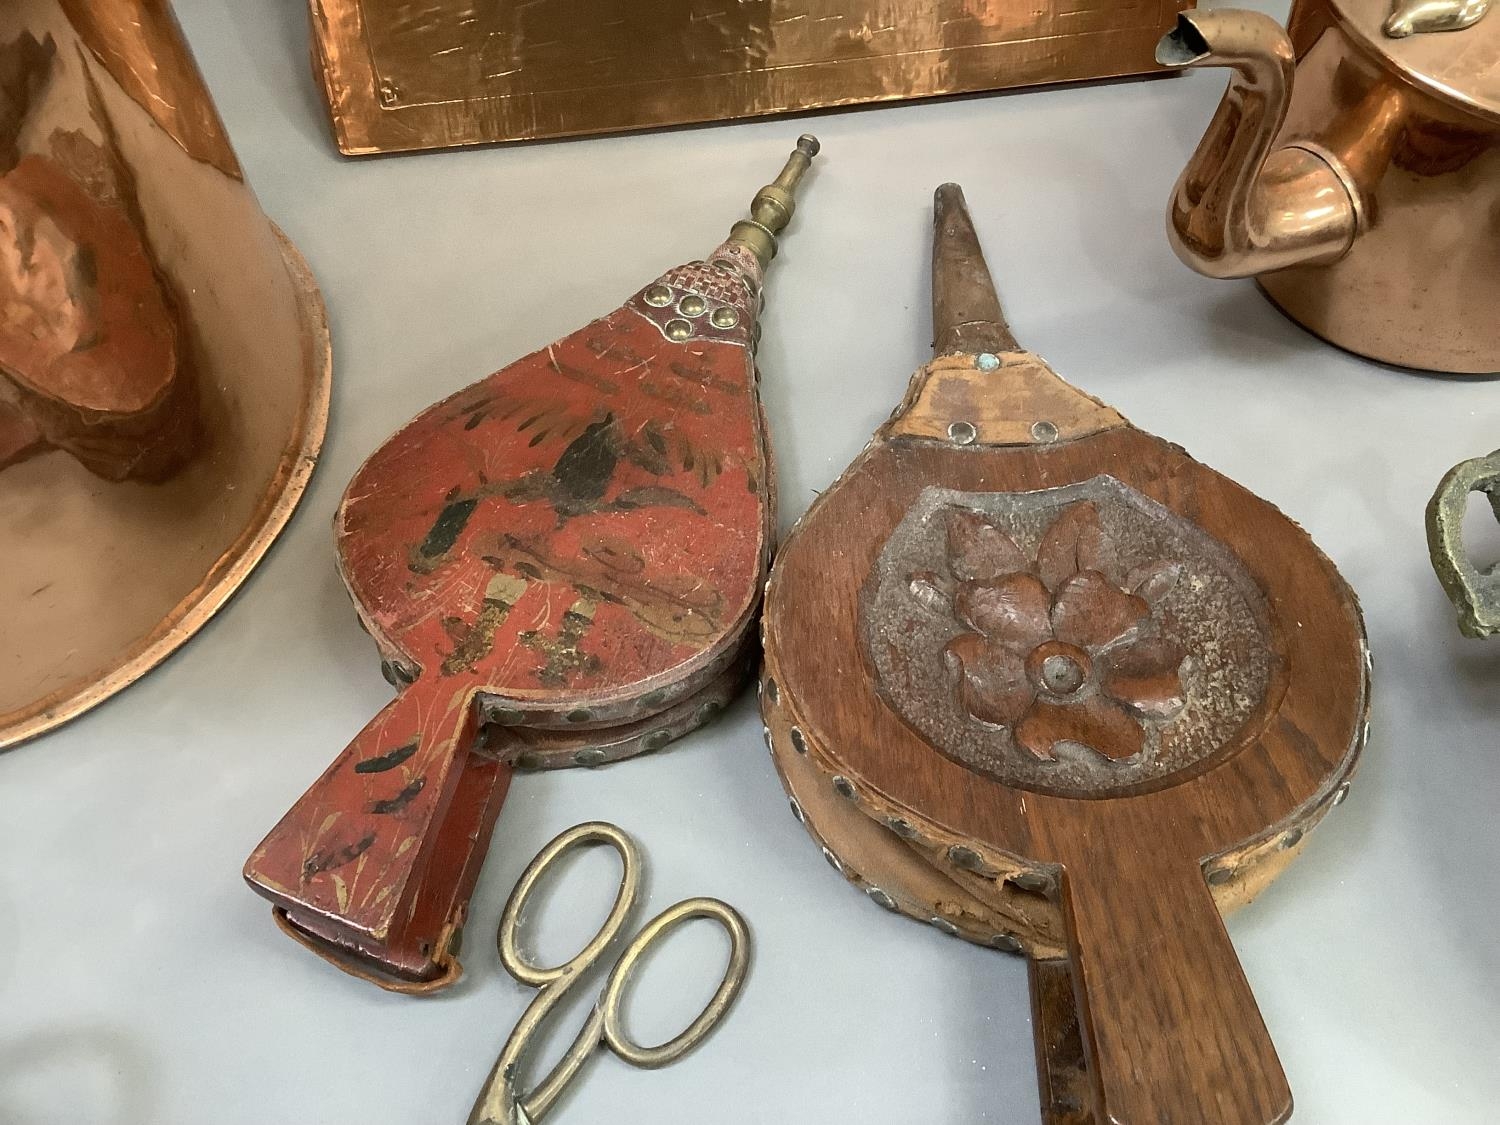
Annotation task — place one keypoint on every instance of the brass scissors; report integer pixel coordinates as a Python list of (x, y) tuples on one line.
[(500, 1103)]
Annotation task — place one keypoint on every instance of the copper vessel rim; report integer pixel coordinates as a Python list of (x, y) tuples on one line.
[(284, 490)]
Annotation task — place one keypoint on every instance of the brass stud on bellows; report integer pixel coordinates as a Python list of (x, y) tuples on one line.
[(503, 716), (962, 433), (659, 295), (692, 305), (966, 858), (678, 329), (1032, 881), (901, 828), (880, 898), (724, 317)]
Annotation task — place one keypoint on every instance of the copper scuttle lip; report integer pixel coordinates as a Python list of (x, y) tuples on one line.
[(164, 357)]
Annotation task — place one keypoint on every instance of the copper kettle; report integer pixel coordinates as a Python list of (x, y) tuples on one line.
[(1353, 168)]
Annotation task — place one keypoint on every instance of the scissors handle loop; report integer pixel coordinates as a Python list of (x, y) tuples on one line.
[(612, 1002), (501, 1102), (594, 832)]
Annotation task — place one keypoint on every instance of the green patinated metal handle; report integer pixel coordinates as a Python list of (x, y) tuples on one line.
[(1474, 592)]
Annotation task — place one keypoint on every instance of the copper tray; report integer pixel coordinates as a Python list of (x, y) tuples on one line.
[(400, 75)]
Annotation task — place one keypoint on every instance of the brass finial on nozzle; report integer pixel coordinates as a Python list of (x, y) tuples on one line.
[(773, 205)]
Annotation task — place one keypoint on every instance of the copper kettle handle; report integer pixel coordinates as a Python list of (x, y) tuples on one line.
[(1475, 593)]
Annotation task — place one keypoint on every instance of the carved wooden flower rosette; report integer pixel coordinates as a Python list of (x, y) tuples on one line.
[(1078, 640)]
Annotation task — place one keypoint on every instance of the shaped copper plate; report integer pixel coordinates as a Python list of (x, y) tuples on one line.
[(400, 76)]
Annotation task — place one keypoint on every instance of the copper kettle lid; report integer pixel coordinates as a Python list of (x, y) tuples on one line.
[(1450, 48)]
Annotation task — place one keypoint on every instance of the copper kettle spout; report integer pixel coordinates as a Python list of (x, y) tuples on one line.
[(1243, 206)]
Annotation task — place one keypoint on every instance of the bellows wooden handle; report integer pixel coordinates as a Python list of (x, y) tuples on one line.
[(349, 862), (1170, 1027)]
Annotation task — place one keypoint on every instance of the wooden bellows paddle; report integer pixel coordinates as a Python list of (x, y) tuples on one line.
[(1049, 683), (560, 565)]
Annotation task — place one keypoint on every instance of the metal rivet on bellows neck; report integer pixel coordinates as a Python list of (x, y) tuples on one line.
[(659, 295), (962, 433), (1032, 881), (724, 317), (678, 329), (401, 674), (799, 744), (692, 305), (1044, 431), (880, 898), (1006, 942), (1220, 875), (844, 787), (901, 828), (966, 858), (593, 756), (987, 361), (503, 716), (833, 861), (797, 810), (943, 926)]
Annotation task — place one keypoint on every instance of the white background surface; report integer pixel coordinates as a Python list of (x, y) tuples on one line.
[(141, 982)]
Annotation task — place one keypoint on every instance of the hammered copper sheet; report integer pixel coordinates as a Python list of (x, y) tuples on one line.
[(413, 74)]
